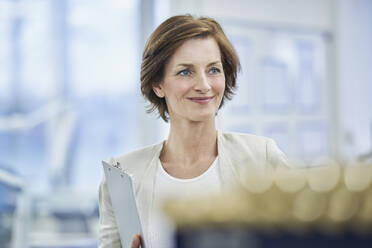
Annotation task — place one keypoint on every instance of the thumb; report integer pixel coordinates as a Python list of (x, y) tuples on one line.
[(136, 241)]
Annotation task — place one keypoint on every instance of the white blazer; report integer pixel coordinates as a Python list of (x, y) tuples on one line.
[(235, 151)]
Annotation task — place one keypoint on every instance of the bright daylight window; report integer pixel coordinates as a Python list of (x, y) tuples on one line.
[(68, 99)]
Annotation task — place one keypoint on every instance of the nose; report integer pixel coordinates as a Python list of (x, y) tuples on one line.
[(202, 84)]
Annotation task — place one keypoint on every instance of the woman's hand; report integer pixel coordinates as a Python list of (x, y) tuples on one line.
[(136, 241)]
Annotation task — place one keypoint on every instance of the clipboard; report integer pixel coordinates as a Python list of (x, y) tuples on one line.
[(121, 190)]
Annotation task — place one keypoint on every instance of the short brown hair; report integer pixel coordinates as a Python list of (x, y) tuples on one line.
[(163, 43)]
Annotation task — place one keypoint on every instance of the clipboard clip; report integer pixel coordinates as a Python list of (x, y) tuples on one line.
[(117, 165)]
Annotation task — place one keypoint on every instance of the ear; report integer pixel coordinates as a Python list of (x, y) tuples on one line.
[(158, 90)]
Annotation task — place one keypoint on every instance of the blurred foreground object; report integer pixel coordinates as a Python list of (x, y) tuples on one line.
[(327, 205)]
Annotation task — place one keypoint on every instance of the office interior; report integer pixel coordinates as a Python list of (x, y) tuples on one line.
[(70, 96)]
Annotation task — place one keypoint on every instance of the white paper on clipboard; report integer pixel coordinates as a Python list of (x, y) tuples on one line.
[(121, 190)]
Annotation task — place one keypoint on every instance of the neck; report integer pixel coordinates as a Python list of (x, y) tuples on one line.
[(189, 142)]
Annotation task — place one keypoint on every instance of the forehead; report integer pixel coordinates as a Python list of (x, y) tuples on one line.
[(197, 50)]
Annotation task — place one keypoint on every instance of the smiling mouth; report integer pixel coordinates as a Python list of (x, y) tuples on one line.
[(201, 100)]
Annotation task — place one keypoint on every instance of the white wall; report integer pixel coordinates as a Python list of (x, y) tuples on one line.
[(304, 13)]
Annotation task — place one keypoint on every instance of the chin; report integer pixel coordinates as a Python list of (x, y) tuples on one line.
[(203, 117)]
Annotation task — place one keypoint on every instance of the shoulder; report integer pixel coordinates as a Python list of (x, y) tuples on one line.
[(241, 142), (138, 160), (252, 148), (244, 139)]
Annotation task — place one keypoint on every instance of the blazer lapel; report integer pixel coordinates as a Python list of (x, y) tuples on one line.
[(227, 171), (145, 194)]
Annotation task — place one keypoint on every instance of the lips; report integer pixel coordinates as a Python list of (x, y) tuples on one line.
[(201, 100)]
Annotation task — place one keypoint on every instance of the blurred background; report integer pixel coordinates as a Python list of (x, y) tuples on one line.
[(70, 96)]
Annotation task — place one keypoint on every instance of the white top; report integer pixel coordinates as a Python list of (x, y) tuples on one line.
[(166, 186)]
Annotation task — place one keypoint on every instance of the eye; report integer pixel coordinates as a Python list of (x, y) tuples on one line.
[(185, 72), (214, 70)]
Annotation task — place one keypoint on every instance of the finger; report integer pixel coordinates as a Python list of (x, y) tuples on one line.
[(136, 241)]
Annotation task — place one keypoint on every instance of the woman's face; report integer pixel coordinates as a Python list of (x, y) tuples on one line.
[(194, 81)]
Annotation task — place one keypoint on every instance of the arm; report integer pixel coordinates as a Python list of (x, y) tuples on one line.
[(275, 156), (108, 231)]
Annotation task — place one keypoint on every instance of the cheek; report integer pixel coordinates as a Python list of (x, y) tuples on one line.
[(220, 85), (177, 90)]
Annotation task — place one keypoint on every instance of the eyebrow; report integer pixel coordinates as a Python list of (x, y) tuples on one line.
[(190, 65)]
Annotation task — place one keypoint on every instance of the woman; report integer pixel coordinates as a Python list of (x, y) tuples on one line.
[(189, 70)]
